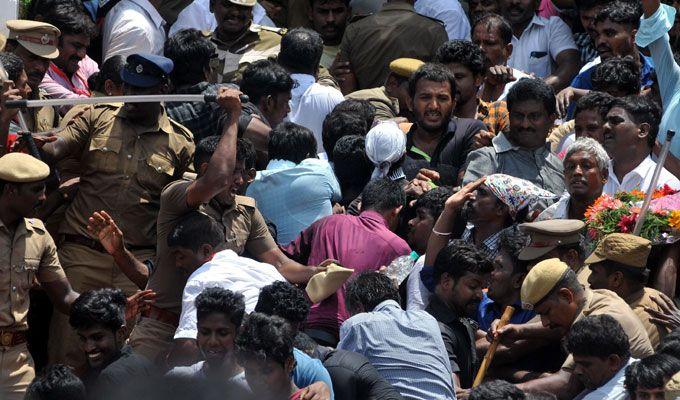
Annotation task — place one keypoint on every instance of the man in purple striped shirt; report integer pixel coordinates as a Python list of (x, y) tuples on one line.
[(363, 243)]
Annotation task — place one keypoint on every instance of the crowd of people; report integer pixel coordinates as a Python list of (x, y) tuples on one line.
[(369, 199)]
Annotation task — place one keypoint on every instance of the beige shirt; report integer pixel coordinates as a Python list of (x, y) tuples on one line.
[(124, 167), (602, 301), (386, 107), (25, 254), (243, 225), (638, 302)]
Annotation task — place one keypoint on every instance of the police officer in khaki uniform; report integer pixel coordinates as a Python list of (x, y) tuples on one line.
[(619, 264), (220, 175), (36, 44), (559, 238), (552, 291), (127, 154), (27, 251), (390, 100), (239, 41)]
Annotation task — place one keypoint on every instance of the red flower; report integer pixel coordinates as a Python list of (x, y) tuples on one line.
[(627, 223)]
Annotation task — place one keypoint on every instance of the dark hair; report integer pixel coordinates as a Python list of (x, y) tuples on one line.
[(462, 52), (194, 230), (532, 89), (621, 73), (496, 390), (642, 110), (245, 151), (650, 372), (108, 70), (433, 200), (350, 163), (512, 240), (13, 64), (493, 20), (265, 78), (382, 195), (217, 300), (283, 300), (594, 100), (599, 336), (635, 276), (301, 51), (458, 258), (104, 307), (305, 343), (265, 338), (431, 72), (540, 396), (360, 108), (311, 2), (70, 18), (621, 12), (369, 289), (292, 142), (585, 5), (339, 124), (670, 344), (191, 52), (57, 382)]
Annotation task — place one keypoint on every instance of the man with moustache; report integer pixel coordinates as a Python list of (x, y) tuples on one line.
[(329, 18), (67, 75), (543, 47), (437, 141), (36, 44)]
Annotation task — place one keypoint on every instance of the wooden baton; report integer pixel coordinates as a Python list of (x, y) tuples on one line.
[(488, 357)]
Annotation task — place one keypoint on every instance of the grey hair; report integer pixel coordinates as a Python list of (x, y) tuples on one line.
[(592, 147)]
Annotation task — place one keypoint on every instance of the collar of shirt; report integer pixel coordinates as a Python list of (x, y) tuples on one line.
[(501, 144), (640, 171), (482, 108), (440, 311), (151, 11), (396, 5), (302, 83), (536, 20), (163, 123), (27, 225), (387, 305), (279, 164), (415, 152), (489, 246), (374, 216)]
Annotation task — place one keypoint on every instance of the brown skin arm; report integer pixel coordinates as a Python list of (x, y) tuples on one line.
[(649, 7), (293, 271), (61, 293), (341, 70), (568, 63), (183, 352), (562, 383)]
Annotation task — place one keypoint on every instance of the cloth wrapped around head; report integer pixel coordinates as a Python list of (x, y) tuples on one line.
[(385, 145), (514, 192)]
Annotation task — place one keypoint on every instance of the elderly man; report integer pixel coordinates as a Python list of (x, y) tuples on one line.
[(619, 264), (552, 291), (522, 151), (586, 170)]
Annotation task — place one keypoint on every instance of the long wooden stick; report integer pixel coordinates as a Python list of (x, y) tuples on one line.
[(488, 357)]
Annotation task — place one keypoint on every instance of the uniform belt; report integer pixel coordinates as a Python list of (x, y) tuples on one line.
[(12, 338), (97, 246), (161, 315)]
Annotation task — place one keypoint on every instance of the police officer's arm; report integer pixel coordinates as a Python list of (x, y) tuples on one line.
[(218, 174), (57, 145), (61, 293), (568, 63), (562, 383)]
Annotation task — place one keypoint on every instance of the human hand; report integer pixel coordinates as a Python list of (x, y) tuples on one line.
[(482, 138), (138, 303), (466, 193), (668, 316), (228, 99), (9, 92), (462, 394), (417, 187), (340, 68), (499, 75), (428, 175), (102, 226), (508, 334), (316, 391), (564, 98)]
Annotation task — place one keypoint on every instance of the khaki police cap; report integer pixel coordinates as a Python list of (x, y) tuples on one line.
[(22, 168), (324, 284), (244, 3), (405, 67), (672, 388), (540, 281), (39, 38), (548, 235), (622, 248)]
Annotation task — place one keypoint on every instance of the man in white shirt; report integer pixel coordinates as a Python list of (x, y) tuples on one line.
[(197, 15), (601, 354), (543, 47), (133, 26), (450, 12), (630, 131), (301, 51)]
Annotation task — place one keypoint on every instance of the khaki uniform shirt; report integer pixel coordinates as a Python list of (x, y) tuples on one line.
[(244, 228), (26, 253), (638, 302), (328, 55), (386, 107), (372, 43), (582, 276), (124, 168), (257, 43), (600, 302), (42, 119)]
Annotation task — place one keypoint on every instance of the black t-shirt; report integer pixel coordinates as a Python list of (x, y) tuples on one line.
[(128, 368)]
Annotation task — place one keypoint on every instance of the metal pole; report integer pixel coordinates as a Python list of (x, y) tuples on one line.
[(155, 98)]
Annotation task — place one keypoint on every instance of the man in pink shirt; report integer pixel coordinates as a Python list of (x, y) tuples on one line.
[(363, 243), (68, 74)]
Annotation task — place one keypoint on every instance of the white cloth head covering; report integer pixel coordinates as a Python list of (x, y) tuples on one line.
[(385, 145)]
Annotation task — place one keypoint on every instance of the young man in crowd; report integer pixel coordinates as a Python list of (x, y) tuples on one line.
[(646, 378), (329, 18)]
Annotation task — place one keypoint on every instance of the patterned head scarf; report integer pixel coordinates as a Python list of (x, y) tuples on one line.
[(385, 145), (514, 192)]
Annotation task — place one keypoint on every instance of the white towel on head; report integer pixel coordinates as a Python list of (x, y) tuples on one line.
[(385, 145)]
